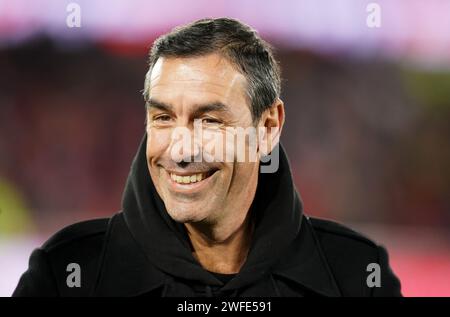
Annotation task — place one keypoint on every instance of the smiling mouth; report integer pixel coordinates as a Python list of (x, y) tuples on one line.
[(190, 178)]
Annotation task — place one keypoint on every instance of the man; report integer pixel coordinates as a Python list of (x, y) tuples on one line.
[(200, 222)]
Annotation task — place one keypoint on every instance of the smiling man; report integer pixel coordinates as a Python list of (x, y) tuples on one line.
[(202, 215)]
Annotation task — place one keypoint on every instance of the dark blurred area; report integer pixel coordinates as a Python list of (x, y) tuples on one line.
[(70, 123)]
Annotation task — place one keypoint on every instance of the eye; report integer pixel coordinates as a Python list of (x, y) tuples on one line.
[(210, 120), (162, 118)]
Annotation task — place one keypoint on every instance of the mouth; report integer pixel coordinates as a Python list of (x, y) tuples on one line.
[(190, 182), (190, 178)]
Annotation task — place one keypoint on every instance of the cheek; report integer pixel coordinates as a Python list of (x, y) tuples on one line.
[(245, 171), (230, 146), (244, 179), (157, 142)]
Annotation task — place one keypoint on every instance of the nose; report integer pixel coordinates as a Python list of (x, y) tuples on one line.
[(185, 147)]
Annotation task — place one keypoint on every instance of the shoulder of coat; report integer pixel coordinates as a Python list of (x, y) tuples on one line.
[(77, 231), (329, 227)]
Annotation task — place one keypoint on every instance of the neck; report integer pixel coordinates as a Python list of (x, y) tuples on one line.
[(221, 247)]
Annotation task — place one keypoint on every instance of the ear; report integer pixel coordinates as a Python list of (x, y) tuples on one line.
[(270, 126)]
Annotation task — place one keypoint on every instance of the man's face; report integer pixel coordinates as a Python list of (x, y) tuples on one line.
[(208, 89)]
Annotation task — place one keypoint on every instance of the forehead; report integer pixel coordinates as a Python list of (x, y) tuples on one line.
[(196, 80)]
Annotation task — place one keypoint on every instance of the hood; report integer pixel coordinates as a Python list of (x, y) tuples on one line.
[(277, 211)]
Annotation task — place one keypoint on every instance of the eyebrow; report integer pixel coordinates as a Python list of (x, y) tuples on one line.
[(152, 103), (199, 109), (209, 107)]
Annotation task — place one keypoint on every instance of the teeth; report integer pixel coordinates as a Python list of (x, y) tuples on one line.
[(188, 179)]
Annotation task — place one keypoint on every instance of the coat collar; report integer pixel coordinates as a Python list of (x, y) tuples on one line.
[(126, 271), (307, 265)]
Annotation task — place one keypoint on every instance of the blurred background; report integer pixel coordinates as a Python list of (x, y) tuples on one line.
[(366, 86)]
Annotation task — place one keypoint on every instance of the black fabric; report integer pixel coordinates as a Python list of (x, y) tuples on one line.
[(141, 251), (224, 278)]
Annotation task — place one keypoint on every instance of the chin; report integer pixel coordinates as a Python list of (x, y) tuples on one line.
[(186, 214)]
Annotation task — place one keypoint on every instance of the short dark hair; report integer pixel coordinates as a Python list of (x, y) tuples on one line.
[(237, 42)]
